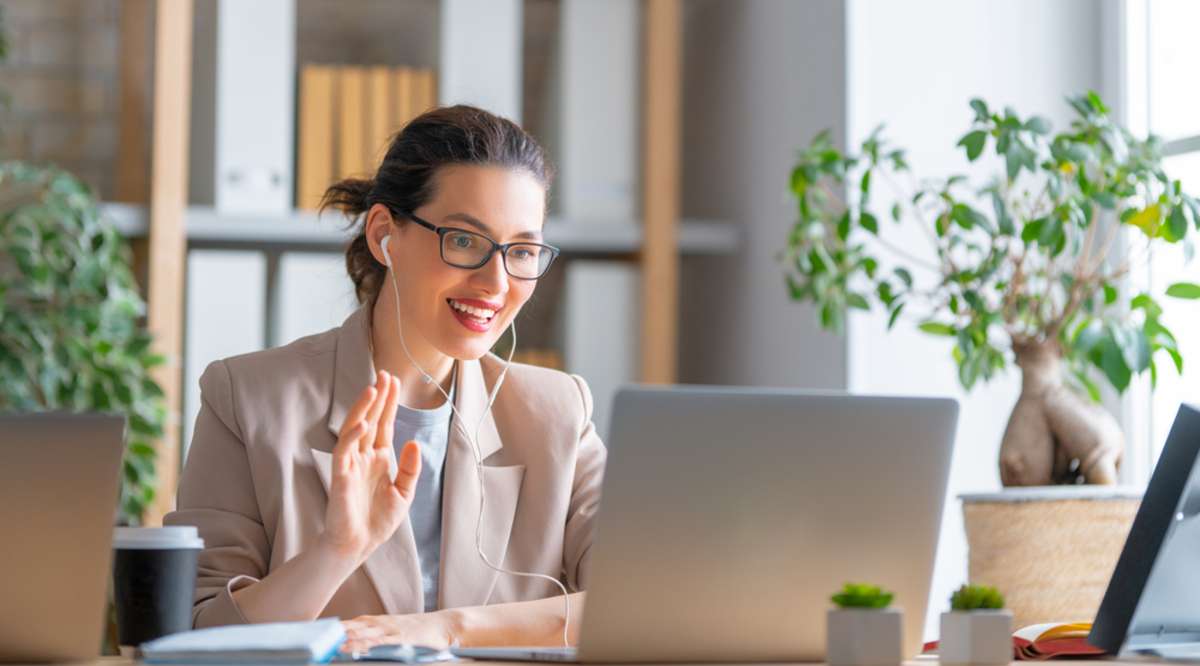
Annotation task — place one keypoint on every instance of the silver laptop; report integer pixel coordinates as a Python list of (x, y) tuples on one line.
[(731, 515), (59, 486)]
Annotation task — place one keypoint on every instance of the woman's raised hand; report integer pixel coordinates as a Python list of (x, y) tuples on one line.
[(365, 504)]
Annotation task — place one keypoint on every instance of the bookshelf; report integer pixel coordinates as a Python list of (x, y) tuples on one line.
[(642, 240), (204, 226)]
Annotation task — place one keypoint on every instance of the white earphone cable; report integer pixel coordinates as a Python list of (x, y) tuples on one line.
[(475, 450)]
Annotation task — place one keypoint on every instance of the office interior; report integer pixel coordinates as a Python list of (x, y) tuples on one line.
[(674, 126)]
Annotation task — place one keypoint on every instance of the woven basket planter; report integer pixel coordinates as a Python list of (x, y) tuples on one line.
[(1049, 550)]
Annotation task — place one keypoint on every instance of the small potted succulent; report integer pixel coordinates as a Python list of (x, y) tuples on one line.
[(977, 629), (864, 630)]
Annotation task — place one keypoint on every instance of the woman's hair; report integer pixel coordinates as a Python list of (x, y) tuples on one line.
[(405, 180)]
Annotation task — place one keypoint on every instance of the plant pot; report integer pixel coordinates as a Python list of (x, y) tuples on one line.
[(864, 637), (976, 637), (1051, 550)]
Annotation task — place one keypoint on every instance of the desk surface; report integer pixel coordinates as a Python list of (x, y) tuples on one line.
[(920, 661)]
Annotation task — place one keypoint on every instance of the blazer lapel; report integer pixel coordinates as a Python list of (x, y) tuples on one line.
[(465, 580), (393, 568)]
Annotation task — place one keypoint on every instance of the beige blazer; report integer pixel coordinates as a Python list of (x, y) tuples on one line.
[(258, 470)]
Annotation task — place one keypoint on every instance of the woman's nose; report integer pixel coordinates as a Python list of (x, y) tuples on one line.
[(492, 276)]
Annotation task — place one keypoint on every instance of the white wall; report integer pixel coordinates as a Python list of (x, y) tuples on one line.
[(915, 65), (761, 77)]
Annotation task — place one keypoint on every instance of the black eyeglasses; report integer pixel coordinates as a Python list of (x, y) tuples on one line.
[(467, 249)]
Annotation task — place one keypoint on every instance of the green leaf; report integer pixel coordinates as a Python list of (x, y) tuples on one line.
[(937, 328), (1038, 125), (1108, 357), (1032, 230), (869, 223), (896, 212), (1148, 220), (905, 277), (981, 109), (1187, 290), (857, 301), (843, 226), (1177, 224), (895, 315), (1110, 294), (974, 142)]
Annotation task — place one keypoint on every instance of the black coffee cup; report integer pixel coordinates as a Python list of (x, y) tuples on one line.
[(154, 581)]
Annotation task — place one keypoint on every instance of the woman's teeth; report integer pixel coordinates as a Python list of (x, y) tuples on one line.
[(478, 313)]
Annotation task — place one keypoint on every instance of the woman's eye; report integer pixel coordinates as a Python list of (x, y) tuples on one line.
[(461, 241)]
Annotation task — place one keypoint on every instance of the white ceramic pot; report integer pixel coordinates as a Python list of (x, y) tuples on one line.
[(864, 637), (976, 637)]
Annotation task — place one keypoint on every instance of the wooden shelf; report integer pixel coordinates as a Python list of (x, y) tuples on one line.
[(205, 227)]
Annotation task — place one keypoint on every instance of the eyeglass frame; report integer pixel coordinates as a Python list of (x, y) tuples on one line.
[(441, 232)]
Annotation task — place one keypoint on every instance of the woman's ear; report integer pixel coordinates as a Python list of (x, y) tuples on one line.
[(378, 227)]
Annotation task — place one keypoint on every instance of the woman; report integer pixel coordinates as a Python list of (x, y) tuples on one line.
[(333, 477)]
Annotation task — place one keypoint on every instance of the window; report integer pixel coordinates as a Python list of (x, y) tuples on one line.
[(1161, 62)]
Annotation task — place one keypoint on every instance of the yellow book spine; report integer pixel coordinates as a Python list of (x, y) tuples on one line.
[(314, 163), (402, 84), (352, 137), (379, 114)]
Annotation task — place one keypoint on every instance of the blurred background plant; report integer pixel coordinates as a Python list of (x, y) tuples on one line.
[(71, 336), (1028, 267)]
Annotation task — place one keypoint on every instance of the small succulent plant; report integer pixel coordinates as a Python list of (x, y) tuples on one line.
[(859, 595), (976, 597)]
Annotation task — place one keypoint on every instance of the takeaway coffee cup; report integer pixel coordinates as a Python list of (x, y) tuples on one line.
[(154, 581)]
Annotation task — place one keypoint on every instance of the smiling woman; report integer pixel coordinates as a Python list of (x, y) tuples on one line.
[(376, 471)]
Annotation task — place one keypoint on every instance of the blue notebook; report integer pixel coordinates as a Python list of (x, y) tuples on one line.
[(273, 643)]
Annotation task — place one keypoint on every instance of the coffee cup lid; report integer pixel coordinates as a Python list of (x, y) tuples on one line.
[(150, 538)]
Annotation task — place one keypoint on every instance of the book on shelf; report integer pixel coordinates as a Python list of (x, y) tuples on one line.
[(314, 154), (351, 130), (380, 99), (347, 116), (1039, 642)]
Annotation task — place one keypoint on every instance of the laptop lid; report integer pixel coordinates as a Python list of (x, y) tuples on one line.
[(59, 487), (1150, 603), (729, 516)]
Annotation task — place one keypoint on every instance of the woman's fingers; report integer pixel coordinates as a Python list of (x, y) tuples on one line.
[(384, 386), (351, 434), (387, 423), (359, 409), (408, 469)]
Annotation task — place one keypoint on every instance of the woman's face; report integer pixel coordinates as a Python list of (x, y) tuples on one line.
[(462, 312)]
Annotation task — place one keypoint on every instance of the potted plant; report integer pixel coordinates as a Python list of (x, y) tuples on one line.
[(863, 630), (71, 336), (1026, 268), (977, 629)]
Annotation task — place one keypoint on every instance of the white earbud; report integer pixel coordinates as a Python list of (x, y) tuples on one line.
[(387, 258)]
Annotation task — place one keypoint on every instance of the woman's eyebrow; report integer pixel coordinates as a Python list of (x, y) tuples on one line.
[(475, 222)]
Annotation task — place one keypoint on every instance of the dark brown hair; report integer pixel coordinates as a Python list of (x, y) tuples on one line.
[(405, 180)]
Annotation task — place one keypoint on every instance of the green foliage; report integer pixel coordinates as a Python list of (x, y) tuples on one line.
[(3, 55), (70, 332), (976, 597), (859, 595), (1026, 259)]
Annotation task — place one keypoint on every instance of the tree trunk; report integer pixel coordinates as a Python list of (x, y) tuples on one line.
[(1054, 435)]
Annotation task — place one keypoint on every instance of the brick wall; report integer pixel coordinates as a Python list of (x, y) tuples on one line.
[(62, 81)]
